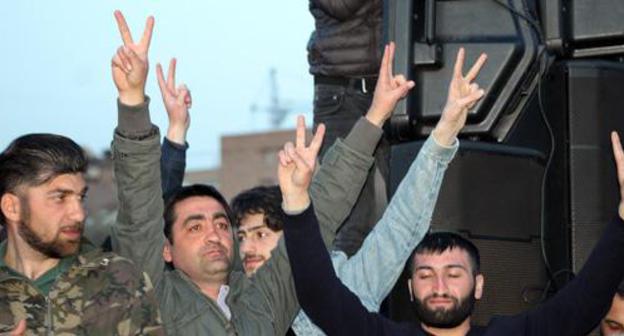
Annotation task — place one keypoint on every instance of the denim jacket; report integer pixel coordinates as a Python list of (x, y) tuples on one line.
[(373, 270)]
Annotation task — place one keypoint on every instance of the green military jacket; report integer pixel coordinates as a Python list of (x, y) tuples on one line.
[(265, 304), (100, 294)]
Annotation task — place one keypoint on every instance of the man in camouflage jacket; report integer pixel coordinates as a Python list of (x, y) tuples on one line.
[(52, 282)]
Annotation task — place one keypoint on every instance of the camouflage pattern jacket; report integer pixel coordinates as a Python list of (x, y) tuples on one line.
[(100, 294)]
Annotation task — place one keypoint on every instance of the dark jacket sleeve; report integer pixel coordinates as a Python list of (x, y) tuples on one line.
[(579, 306), (340, 9), (330, 305), (172, 166)]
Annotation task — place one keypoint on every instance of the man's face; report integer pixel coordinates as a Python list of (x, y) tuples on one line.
[(256, 241), (202, 240), (613, 323), (51, 215), (444, 288)]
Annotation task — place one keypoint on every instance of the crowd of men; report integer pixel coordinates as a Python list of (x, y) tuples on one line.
[(185, 261)]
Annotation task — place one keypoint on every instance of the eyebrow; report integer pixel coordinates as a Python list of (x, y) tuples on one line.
[(251, 229), (430, 268), (219, 215), (191, 218), (66, 191)]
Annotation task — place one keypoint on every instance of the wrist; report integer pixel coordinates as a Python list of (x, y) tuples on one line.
[(295, 202), (373, 117), (177, 134), (132, 97), (444, 135)]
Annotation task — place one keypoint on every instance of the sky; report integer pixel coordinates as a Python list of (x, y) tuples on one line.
[(56, 76)]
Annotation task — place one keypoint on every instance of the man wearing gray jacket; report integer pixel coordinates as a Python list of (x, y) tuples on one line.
[(201, 294)]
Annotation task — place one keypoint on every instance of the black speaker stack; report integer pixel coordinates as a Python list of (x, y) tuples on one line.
[(533, 183)]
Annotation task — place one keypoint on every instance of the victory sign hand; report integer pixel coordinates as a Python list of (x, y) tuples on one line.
[(463, 94), (177, 103), (129, 64), (296, 166)]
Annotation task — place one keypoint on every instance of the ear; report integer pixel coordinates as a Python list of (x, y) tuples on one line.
[(10, 206), (167, 251), (409, 288), (479, 280)]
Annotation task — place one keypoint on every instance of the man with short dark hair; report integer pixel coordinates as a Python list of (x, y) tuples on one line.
[(446, 279), (51, 280), (446, 282), (455, 302), (199, 295), (613, 323)]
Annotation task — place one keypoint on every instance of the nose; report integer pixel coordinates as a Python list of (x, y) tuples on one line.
[(247, 246), (440, 287), (77, 212), (211, 234)]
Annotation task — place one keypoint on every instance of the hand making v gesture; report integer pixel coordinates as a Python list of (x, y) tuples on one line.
[(463, 94), (177, 102), (389, 89), (130, 65), (296, 166)]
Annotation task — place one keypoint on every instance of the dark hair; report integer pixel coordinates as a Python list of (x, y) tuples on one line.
[(179, 195), (260, 200), (620, 289), (35, 159), (439, 242)]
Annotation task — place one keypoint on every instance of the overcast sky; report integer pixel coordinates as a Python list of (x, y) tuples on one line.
[(55, 66)]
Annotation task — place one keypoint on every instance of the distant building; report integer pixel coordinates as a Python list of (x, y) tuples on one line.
[(247, 161)]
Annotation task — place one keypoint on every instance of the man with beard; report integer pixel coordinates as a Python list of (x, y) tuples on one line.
[(52, 281), (203, 292), (259, 219), (445, 284), (446, 279)]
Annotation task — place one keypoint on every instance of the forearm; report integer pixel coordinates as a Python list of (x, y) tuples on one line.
[(137, 233), (172, 166), (337, 185), (582, 303), (373, 270), (318, 289)]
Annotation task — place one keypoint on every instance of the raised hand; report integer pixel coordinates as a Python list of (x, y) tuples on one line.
[(618, 155), (130, 64), (389, 89), (296, 166), (463, 94), (177, 103)]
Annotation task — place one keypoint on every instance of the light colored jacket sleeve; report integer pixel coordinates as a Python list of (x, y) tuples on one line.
[(138, 231), (373, 270), (334, 190)]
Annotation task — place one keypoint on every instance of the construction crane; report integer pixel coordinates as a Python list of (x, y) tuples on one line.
[(277, 110)]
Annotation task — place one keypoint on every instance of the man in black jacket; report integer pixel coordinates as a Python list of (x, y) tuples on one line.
[(344, 53), (447, 281)]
